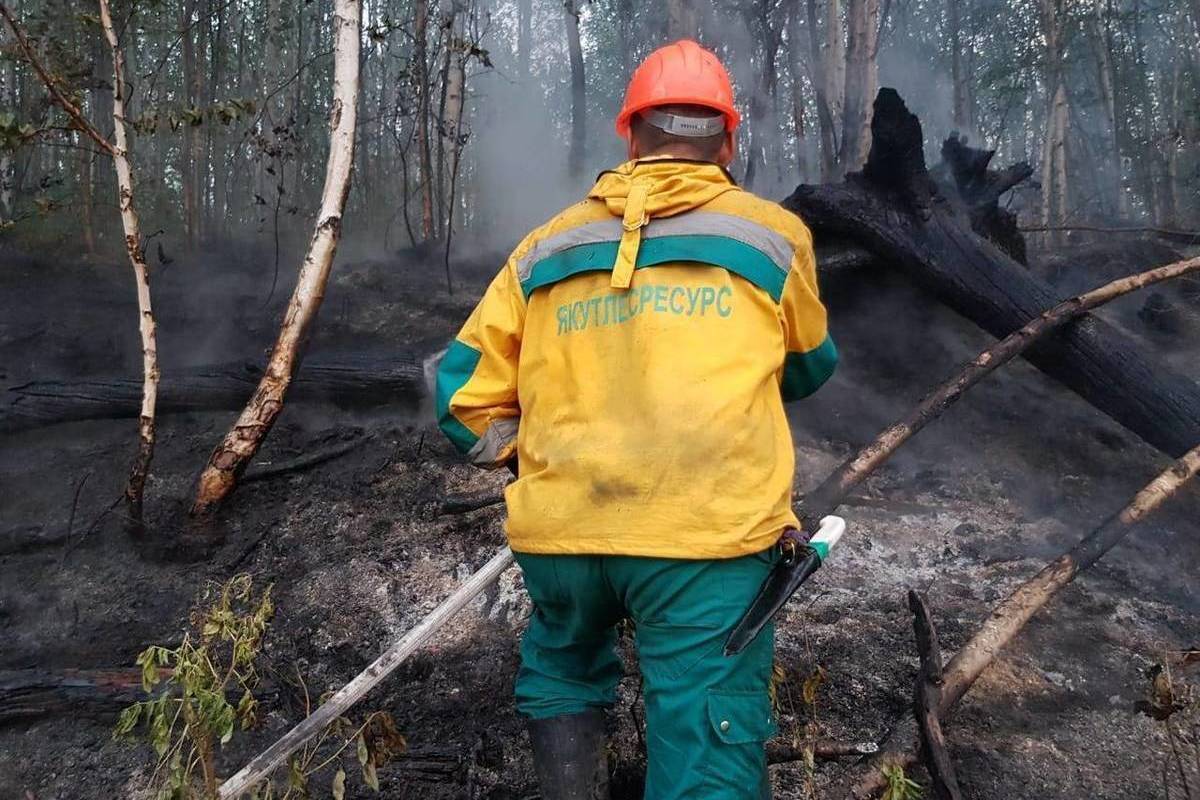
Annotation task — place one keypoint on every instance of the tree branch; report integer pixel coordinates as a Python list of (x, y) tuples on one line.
[(51, 85), (926, 699), (833, 490)]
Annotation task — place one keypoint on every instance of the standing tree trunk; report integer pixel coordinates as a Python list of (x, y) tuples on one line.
[(135, 490), (819, 58), (799, 128), (421, 78), (451, 118), (8, 99), (763, 122), (187, 153), (962, 97), (86, 200), (861, 78), (1054, 147), (1172, 196), (243, 440), (1102, 48), (578, 90), (625, 36), (683, 21)]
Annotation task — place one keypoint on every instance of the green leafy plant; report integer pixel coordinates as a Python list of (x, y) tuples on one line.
[(900, 786), (203, 693), (191, 713)]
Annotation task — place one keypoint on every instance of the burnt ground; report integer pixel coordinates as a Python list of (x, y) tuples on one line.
[(358, 550)]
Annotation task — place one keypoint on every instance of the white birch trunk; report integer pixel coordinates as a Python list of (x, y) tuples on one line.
[(861, 80), (455, 84), (244, 438), (133, 246)]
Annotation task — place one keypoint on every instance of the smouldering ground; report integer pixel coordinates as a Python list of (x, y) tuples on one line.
[(358, 551)]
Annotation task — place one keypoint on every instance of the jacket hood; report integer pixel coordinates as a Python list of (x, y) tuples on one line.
[(672, 186), (639, 191)]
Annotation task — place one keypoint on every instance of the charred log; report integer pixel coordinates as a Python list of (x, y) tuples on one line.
[(349, 382), (894, 210), (31, 693), (926, 698)]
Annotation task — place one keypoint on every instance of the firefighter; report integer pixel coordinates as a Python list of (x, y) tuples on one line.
[(631, 362)]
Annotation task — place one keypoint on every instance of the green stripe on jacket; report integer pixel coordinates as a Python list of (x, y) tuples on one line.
[(719, 251), (457, 367), (803, 373)]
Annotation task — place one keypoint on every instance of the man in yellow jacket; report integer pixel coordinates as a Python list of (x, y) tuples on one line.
[(633, 357)]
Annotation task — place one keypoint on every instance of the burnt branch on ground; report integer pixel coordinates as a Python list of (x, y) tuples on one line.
[(927, 697)]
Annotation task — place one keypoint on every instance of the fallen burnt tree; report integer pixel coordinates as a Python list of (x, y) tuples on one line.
[(895, 210), (351, 382), (31, 693)]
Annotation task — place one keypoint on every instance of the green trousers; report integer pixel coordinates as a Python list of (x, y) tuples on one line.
[(707, 715)]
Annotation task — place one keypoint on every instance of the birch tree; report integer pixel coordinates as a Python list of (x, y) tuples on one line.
[(119, 151), (247, 434), (862, 28), (820, 65)]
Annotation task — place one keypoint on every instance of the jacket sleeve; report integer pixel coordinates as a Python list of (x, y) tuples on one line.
[(811, 355), (476, 387)]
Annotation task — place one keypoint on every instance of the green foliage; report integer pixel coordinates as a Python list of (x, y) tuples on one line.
[(191, 713), (900, 786), (224, 113), (13, 132)]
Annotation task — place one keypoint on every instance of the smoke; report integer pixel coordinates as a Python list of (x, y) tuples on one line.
[(520, 137), (520, 159)]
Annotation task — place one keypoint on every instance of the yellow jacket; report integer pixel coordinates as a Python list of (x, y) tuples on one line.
[(635, 353)]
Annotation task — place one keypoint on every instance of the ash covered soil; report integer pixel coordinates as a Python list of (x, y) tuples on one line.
[(358, 547)]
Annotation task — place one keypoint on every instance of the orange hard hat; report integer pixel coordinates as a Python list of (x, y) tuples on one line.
[(683, 73)]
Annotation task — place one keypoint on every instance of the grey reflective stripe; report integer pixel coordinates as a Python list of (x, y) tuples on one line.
[(495, 440), (711, 223), (606, 230), (691, 223), (680, 125)]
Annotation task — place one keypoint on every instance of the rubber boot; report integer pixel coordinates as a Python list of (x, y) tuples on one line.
[(569, 756)]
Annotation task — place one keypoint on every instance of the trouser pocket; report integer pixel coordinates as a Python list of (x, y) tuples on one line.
[(741, 722)]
